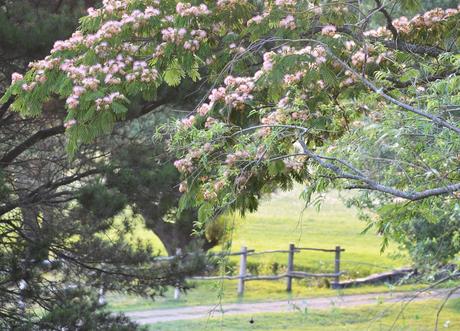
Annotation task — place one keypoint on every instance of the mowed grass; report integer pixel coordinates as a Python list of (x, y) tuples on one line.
[(414, 317), (283, 219), (214, 293), (279, 221)]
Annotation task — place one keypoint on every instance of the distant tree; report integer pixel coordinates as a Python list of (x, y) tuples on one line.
[(143, 171)]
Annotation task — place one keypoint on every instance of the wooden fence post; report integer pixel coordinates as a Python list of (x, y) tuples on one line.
[(290, 267), (176, 289), (101, 296), (243, 260), (336, 283)]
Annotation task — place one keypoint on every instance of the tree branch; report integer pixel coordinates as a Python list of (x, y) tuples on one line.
[(374, 185), (412, 48), (442, 75), (388, 18), (29, 142), (379, 91)]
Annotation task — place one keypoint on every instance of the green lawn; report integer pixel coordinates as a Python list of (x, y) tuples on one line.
[(415, 317), (211, 293), (279, 221), (283, 219)]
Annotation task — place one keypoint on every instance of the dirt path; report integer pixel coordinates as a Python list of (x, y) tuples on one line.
[(346, 301)]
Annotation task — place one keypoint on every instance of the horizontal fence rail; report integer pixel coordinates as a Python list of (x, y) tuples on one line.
[(290, 274)]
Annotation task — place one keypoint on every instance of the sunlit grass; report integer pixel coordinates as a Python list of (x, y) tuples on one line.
[(283, 219), (278, 222), (416, 317)]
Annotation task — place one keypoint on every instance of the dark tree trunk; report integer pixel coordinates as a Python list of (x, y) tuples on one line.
[(178, 235)]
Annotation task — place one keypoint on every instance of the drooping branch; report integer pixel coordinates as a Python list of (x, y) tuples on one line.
[(29, 142), (40, 193), (372, 184), (428, 79), (390, 26), (436, 119), (413, 48)]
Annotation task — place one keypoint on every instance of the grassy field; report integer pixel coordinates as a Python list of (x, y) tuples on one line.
[(212, 293), (280, 221), (283, 219), (415, 317)]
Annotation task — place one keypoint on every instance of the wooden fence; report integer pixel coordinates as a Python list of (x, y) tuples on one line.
[(290, 273)]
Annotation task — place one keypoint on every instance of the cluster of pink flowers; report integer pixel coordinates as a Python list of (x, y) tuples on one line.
[(350, 80), (112, 5), (137, 17), (288, 22), (229, 3), (257, 19), (174, 35), (70, 123), (204, 109), (113, 70), (106, 102), (217, 95), (209, 195), (184, 165), (186, 9), (194, 44), (16, 77), (360, 57), (404, 25), (109, 29), (329, 30), (381, 31), (142, 72), (290, 79), (177, 36), (318, 53), (187, 122), (238, 90), (268, 61), (234, 157), (282, 3), (73, 100), (236, 93), (432, 17), (72, 43)]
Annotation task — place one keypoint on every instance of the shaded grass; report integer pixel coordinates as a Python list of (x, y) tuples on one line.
[(416, 317), (212, 293)]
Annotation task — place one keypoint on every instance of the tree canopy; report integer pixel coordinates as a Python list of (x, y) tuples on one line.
[(326, 93), (64, 230)]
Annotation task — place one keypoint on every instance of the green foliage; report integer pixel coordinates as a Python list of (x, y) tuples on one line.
[(309, 96), (77, 310), (100, 201), (174, 73)]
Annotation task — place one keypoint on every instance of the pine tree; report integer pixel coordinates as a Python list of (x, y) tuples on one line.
[(56, 212)]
